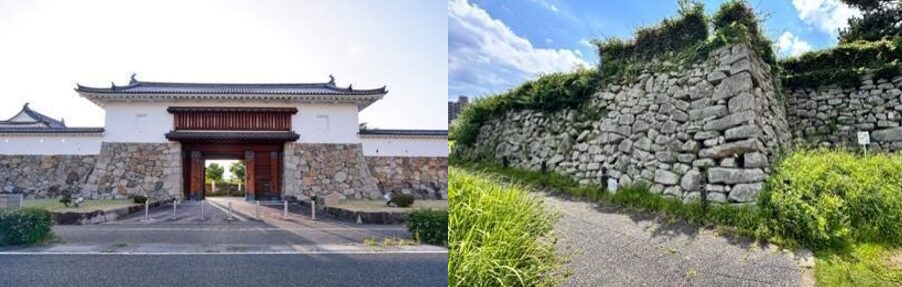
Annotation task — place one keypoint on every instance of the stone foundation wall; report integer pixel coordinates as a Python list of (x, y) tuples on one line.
[(708, 129), (423, 177), (832, 116), (45, 176), (319, 169), (124, 169)]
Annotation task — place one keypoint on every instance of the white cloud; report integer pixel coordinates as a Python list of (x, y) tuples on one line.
[(486, 56), (826, 15), (790, 45)]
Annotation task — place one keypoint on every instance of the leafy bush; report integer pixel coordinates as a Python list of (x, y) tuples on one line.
[(497, 234), (826, 198), (402, 200), (66, 200), (139, 199), (429, 226), (25, 226)]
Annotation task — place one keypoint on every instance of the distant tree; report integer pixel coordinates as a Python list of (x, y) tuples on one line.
[(879, 19), (238, 171), (214, 172)]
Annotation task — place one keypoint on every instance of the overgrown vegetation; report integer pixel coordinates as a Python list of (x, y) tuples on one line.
[(672, 44), (871, 45), (845, 64), (548, 93), (866, 264), (25, 226), (429, 226), (832, 198), (498, 234)]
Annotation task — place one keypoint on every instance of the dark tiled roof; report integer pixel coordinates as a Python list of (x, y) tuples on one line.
[(139, 87), (227, 136), (39, 118), (405, 132), (40, 124)]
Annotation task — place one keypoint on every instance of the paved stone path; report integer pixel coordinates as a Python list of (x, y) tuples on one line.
[(609, 246)]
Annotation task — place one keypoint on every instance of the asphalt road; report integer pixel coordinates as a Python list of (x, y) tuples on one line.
[(610, 246), (225, 270)]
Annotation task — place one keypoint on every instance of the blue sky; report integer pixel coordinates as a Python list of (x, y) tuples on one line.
[(494, 45), (46, 46)]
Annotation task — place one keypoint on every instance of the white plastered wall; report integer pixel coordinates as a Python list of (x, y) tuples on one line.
[(149, 122), (405, 146), (49, 144)]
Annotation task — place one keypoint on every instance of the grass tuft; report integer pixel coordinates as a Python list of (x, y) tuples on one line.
[(499, 234)]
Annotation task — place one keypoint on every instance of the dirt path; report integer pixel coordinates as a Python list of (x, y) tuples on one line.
[(608, 246)]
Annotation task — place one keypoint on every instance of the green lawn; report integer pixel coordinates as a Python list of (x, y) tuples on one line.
[(89, 205), (379, 205), (862, 265)]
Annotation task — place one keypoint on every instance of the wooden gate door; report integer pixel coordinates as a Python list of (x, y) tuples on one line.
[(266, 169), (196, 185)]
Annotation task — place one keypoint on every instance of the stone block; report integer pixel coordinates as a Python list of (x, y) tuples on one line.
[(734, 175), (745, 192)]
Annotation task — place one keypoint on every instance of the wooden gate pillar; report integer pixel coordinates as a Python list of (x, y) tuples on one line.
[(250, 175), (196, 189)]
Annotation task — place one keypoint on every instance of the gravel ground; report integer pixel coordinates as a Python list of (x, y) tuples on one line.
[(609, 246)]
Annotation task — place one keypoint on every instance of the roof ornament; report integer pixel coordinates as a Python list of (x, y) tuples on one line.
[(133, 81), (331, 80), (113, 85), (350, 87)]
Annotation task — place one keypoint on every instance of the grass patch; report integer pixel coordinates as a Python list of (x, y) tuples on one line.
[(53, 205), (866, 264), (499, 234)]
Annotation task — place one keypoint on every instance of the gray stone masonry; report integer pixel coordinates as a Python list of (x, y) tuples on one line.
[(422, 177), (707, 129), (832, 116), (319, 169)]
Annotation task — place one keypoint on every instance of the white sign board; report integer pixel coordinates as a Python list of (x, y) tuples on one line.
[(612, 185), (864, 138)]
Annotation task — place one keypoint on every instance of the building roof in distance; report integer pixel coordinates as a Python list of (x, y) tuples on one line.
[(29, 121)]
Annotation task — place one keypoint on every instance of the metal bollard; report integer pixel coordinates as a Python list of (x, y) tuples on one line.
[(202, 209), (230, 211), (257, 210), (313, 209), (146, 207), (285, 211)]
